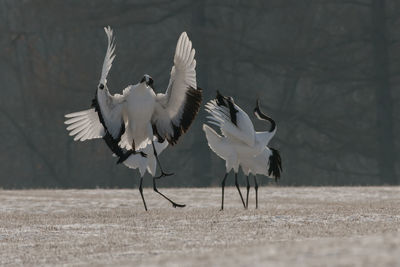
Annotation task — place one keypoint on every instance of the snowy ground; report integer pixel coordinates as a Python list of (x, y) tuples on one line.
[(328, 226)]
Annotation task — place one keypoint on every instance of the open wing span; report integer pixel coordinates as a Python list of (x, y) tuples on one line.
[(104, 119), (84, 125), (176, 109), (233, 122)]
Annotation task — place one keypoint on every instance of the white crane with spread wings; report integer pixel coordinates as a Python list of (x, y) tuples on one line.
[(240, 144), (129, 121)]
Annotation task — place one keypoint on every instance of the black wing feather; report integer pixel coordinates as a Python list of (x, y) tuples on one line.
[(227, 102), (191, 107), (275, 164)]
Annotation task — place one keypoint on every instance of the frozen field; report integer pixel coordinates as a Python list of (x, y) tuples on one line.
[(327, 226)]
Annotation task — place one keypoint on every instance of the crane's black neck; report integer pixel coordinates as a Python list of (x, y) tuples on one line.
[(262, 116)]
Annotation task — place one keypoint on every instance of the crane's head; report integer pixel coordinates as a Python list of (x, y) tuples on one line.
[(261, 116), (147, 80), (230, 99)]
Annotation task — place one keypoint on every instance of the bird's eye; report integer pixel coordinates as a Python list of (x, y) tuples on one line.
[(101, 86)]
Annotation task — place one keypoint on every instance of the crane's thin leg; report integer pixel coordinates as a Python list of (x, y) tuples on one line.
[(223, 186), (173, 203), (159, 164), (247, 194), (141, 192), (256, 188), (240, 193)]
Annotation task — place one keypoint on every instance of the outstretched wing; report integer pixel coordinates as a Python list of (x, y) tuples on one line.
[(104, 119), (109, 107), (176, 109), (109, 58), (84, 125), (231, 119)]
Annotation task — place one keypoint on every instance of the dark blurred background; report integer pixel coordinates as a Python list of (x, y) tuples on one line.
[(328, 71)]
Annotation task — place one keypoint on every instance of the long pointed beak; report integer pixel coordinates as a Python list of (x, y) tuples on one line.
[(258, 103)]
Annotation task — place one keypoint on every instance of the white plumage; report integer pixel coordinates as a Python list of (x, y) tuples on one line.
[(84, 125), (130, 120), (148, 163), (256, 165), (239, 144), (138, 108)]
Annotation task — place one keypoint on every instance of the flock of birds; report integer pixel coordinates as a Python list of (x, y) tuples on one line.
[(139, 124)]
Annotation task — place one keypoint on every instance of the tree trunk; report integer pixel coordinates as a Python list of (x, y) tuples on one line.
[(201, 159), (384, 107)]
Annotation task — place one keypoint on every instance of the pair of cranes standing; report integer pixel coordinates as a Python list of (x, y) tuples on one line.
[(138, 124)]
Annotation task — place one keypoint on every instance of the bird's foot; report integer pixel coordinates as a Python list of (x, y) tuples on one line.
[(178, 205), (164, 174)]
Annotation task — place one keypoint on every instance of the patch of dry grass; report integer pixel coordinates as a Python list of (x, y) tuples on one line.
[(338, 226)]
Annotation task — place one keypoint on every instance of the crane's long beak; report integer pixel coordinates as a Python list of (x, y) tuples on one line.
[(257, 108)]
